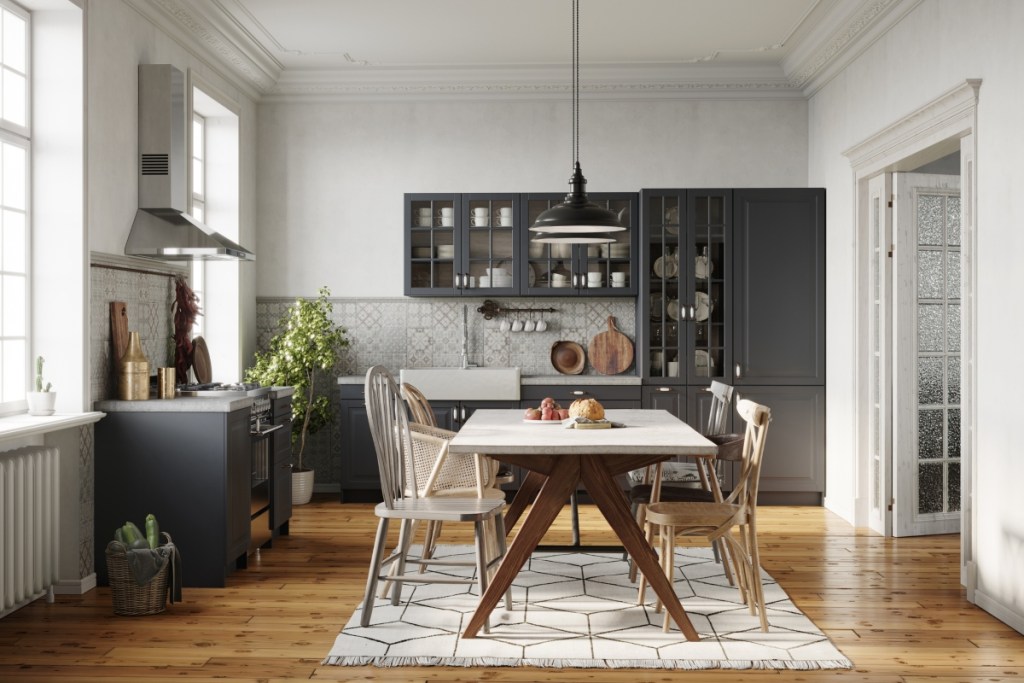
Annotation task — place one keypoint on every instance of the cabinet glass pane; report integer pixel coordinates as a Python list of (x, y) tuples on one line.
[(665, 291), (433, 240), (708, 267)]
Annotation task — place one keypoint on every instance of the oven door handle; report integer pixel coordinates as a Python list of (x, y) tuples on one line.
[(264, 432)]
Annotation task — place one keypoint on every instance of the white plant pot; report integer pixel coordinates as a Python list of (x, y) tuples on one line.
[(302, 486), (41, 402)]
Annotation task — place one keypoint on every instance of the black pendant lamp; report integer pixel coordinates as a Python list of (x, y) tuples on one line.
[(577, 220)]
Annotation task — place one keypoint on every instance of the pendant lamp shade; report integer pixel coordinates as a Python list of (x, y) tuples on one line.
[(577, 220)]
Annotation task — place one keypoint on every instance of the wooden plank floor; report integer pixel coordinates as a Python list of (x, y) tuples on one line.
[(893, 606)]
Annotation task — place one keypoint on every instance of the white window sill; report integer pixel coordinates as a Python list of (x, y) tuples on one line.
[(22, 425)]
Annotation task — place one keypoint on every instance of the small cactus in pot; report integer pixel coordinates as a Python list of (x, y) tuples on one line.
[(41, 401)]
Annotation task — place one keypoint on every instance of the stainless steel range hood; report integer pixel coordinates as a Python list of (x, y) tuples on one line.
[(162, 227)]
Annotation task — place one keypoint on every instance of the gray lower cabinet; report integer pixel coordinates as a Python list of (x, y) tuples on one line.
[(191, 470), (793, 470)]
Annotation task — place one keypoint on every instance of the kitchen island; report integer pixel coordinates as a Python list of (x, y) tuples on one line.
[(193, 463)]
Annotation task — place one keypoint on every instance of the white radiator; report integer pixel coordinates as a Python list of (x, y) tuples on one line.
[(29, 525)]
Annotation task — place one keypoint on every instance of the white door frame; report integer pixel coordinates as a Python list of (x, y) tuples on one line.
[(947, 123)]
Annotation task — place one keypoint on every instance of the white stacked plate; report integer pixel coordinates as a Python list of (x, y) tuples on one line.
[(446, 251)]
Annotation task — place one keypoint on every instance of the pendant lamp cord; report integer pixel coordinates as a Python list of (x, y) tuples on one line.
[(576, 80)]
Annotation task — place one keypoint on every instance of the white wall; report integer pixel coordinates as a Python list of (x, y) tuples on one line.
[(331, 176), (937, 46), (119, 39)]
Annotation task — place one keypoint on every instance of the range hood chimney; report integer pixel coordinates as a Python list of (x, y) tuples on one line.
[(162, 227)]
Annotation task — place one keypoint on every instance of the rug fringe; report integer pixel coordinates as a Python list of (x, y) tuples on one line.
[(679, 664)]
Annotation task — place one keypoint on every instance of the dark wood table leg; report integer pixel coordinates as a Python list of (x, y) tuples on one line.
[(610, 501), (564, 475), (524, 496)]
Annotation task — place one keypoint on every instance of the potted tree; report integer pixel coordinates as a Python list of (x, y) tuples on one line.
[(307, 344), (42, 400)]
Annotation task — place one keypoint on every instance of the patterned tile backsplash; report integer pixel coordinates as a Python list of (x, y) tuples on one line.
[(147, 291), (414, 333)]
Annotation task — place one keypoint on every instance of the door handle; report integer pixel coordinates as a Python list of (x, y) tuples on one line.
[(463, 413), (665, 389), (458, 280), (578, 392), (455, 414), (739, 372)]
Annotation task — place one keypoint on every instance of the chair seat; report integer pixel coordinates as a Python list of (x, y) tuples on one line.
[(730, 446), (690, 514), (641, 493), (496, 494), (442, 509)]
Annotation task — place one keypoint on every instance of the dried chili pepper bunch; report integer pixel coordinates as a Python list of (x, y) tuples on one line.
[(185, 309)]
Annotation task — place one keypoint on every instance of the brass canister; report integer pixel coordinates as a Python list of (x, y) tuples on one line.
[(166, 378), (133, 372)]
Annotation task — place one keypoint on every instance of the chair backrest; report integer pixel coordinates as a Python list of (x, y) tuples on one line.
[(419, 406), (389, 426), (721, 397), (757, 418)]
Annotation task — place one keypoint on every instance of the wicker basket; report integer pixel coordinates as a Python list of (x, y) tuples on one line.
[(131, 599)]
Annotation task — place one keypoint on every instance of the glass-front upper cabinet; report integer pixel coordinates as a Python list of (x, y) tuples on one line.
[(459, 243), (580, 269), (685, 256)]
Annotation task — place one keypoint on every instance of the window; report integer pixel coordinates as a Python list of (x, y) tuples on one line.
[(15, 155), (198, 283)]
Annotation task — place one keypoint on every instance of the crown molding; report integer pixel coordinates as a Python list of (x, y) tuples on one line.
[(850, 27), (210, 33)]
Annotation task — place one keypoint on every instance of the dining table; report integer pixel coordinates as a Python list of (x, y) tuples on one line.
[(557, 458)]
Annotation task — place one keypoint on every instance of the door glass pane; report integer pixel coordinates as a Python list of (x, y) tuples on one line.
[(938, 361)]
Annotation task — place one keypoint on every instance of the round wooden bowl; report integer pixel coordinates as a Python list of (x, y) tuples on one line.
[(568, 357)]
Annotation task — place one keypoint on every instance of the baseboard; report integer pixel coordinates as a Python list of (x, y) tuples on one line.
[(1014, 620), (75, 587)]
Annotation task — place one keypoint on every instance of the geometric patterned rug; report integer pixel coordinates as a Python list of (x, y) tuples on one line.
[(579, 609)]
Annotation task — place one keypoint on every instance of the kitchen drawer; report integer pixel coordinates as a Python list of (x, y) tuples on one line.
[(610, 396)]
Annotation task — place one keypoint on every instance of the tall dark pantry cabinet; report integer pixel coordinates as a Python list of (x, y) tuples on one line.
[(733, 289)]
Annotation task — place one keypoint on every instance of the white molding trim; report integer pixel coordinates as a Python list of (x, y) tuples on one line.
[(211, 29), (999, 610), (949, 115), (850, 28), (75, 586)]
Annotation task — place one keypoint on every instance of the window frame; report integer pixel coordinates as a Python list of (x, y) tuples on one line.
[(13, 399)]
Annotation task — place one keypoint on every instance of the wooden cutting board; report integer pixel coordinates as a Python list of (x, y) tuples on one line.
[(201, 361), (611, 352), (118, 330)]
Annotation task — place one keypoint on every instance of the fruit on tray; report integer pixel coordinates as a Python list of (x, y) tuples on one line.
[(548, 410), (589, 408)]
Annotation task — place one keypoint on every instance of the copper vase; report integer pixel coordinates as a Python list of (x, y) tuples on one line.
[(133, 372)]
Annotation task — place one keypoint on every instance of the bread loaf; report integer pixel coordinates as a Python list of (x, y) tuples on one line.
[(588, 408)]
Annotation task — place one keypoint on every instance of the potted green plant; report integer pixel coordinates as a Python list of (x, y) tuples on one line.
[(42, 400), (308, 343)]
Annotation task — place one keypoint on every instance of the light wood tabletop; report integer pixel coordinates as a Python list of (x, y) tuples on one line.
[(558, 459)]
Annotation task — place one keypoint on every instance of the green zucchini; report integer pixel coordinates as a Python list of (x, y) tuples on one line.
[(139, 544), (131, 533), (119, 535), (152, 531)]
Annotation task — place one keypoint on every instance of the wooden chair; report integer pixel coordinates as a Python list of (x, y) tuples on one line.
[(399, 448), (653, 489), (717, 521), (444, 476)]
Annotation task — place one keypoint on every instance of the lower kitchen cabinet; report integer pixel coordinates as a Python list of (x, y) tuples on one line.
[(793, 469), (190, 469)]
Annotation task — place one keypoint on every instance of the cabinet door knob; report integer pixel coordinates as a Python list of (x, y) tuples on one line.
[(455, 414), (739, 372)]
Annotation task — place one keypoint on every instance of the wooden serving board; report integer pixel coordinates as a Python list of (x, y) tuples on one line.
[(118, 330), (201, 361), (611, 352)]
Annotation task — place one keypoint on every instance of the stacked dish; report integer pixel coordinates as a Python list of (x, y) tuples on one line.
[(422, 252), (446, 251)]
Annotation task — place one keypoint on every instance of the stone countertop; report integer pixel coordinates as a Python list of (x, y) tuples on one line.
[(180, 404), (281, 392), (540, 380)]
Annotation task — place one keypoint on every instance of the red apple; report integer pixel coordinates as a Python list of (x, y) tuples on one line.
[(548, 401), (563, 413), (532, 414), (547, 413)]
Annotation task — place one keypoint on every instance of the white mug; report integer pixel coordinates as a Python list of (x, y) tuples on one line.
[(505, 221), (542, 325), (656, 357), (673, 368), (480, 212), (517, 326), (618, 276), (424, 211), (505, 325), (505, 211), (529, 326)]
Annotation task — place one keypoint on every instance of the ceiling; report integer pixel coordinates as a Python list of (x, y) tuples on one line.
[(353, 48)]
